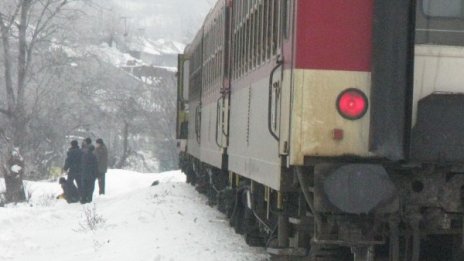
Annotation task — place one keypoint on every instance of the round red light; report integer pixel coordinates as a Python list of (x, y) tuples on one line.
[(352, 104)]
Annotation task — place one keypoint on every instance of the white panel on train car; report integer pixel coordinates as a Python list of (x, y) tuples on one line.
[(437, 68)]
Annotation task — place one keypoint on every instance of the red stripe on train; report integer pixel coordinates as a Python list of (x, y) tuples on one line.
[(334, 34)]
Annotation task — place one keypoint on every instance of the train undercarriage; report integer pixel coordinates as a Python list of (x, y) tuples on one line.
[(417, 214)]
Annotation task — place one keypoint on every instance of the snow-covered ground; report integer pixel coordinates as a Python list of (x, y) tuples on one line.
[(134, 221)]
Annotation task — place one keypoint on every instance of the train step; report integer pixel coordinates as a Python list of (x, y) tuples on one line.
[(300, 252)]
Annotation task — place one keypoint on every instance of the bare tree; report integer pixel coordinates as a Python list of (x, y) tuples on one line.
[(24, 24)]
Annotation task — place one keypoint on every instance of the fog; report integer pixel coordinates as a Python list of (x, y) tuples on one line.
[(169, 19)]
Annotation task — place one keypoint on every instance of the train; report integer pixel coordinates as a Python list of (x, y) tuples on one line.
[(329, 130)]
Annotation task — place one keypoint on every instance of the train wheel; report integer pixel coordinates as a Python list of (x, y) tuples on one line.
[(237, 216), (227, 201), (191, 176)]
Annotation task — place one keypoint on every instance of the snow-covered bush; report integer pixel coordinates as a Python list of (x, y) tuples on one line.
[(41, 194), (91, 221), (44, 200)]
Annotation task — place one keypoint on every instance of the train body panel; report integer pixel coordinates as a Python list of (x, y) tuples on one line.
[(438, 83), (214, 140), (437, 69), (194, 52), (253, 152), (255, 91), (315, 119), (210, 153), (335, 35), (439, 50), (332, 55)]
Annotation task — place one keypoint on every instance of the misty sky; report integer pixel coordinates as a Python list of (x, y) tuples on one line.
[(171, 19)]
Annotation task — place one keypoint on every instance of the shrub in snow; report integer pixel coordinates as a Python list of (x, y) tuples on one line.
[(39, 197), (44, 200), (91, 220)]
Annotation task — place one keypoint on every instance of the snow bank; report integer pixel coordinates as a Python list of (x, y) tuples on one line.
[(170, 221)]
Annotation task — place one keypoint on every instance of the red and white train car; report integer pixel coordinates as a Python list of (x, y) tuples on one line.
[(330, 130)]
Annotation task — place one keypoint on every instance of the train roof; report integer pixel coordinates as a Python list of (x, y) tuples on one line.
[(214, 13)]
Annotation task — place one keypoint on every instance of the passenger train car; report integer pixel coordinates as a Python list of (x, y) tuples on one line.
[(330, 130)]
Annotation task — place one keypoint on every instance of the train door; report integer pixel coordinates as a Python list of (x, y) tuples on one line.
[(182, 102), (222, 114), (276, 75), (212, 138), (287, 58), (195, 70)]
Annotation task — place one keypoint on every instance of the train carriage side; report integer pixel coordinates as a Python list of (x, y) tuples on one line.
[(329, 146), (214, 98), (194, 53), (182, 110), (256, 79)]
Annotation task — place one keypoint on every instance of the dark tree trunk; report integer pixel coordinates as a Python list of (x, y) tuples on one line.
[(13, 170), (13, 173), (125, 149)]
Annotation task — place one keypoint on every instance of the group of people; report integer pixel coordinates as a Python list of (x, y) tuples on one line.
[(84, 166)]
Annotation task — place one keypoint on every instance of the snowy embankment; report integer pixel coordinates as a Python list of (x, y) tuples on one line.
[(134, 221)]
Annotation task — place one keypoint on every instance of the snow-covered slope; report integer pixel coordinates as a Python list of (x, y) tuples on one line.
[(169, 221), (156, 47), (116, 56)]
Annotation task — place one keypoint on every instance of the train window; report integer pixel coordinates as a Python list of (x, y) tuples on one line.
[(239, 50), (237, 42), (265, 28), (260, 32), (269, 29), (275, 26), (247, 45), (253, 33), (286, 18), (242, 48), (255, 38), (443, 8)]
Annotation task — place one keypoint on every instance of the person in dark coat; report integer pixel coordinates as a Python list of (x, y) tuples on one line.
[(86, 143), (72, 165), (101, 152), (89, 172), (70, 193)]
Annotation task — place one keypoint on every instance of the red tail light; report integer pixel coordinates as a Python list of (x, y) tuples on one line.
[(352, 104)]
